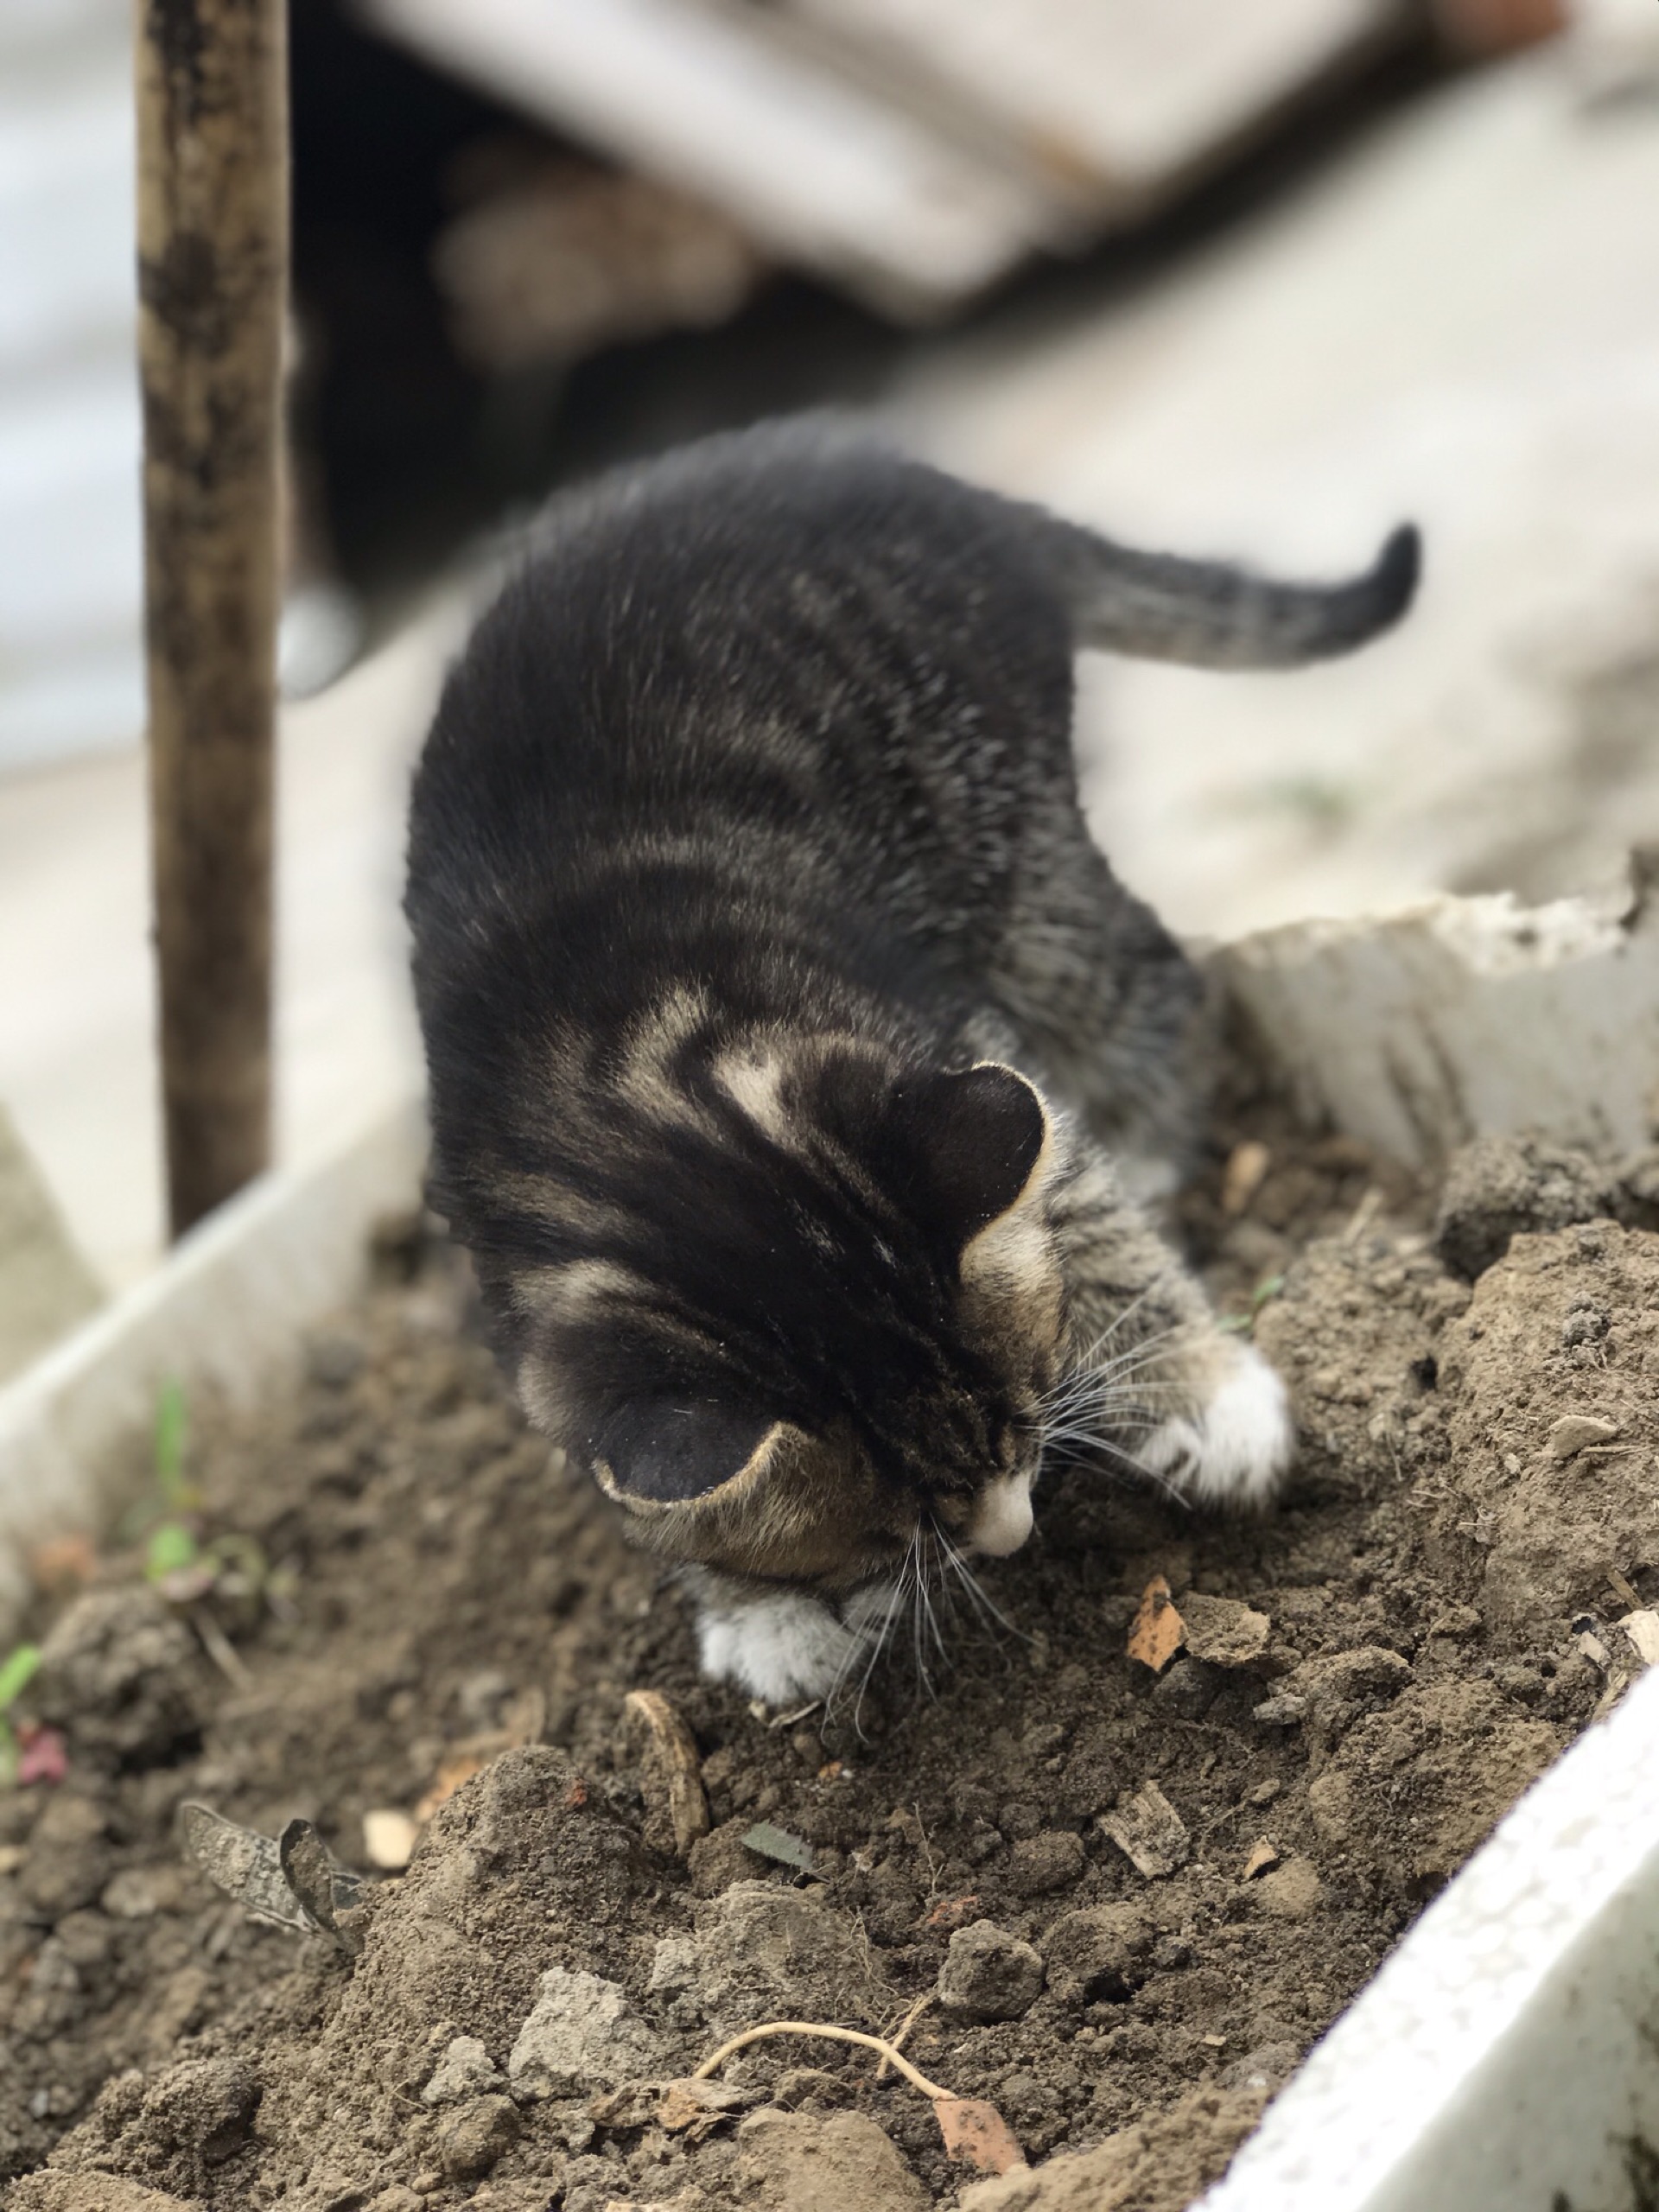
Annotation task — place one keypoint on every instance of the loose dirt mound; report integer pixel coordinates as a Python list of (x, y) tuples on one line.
[(1148, 1892)]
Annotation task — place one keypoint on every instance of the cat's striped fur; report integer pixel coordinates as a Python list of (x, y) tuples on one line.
[(785, 1026)]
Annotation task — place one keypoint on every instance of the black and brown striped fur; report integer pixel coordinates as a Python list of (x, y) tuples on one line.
[(786, 1031)]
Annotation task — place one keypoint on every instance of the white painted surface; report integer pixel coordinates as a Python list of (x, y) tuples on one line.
[(1503, 2059), (1464, 1018), (1112, 101), (78, 1066), (823, 171), (71, 646)]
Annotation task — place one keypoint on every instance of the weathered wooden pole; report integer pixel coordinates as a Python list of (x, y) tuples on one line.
[(213, 276)]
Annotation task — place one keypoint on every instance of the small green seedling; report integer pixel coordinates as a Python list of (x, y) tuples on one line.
[(1241, 1324), (182, 1566), (17, 1670), (173, 1548)]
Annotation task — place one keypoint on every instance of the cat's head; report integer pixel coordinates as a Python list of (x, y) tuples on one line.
[(813, 1309)]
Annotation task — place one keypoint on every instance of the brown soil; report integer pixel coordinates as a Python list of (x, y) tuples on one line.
[(1425, 1654)]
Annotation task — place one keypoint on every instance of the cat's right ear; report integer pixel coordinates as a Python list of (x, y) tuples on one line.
[(981, 1140), (658, 1452)]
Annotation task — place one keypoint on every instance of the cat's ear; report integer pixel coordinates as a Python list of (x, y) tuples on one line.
[(659, 1452), (981, 1140)]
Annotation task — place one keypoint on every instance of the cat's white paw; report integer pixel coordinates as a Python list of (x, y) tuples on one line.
[(783, 1650), (1234, 1451)]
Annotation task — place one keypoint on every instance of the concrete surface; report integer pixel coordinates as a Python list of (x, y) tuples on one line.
[(77, 1051), (1460, 324)]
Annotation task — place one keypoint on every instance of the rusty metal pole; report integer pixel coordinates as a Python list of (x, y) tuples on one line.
[(212, 279)]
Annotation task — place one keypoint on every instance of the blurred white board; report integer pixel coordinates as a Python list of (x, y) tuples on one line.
[(914, 150)]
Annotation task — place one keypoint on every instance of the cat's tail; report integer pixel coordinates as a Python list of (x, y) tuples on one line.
[(1157, 606)]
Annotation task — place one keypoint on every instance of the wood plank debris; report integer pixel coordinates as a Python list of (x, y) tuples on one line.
[(1149, 1832), (909, 149)]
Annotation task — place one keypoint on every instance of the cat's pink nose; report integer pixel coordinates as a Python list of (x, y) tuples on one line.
[(1001, 1518)]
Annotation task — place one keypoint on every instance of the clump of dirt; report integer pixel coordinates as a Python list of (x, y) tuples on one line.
[(1125, 1900)]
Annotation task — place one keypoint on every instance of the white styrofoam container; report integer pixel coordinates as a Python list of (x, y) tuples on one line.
[(1506, 2059), (223, 1310)]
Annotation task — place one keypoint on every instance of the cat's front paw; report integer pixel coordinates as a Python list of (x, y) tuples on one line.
[(1235, 1449), (784, 1648)]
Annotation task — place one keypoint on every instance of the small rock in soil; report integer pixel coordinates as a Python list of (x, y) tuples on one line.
[(1053, 1860), (581, 2035), (1291, 1891), (1222, 1631), (764, 1951), (121, 1678), (795, 2162), (1498, 1186), (1189, 1689), (473, 2136), (989, 1974), (465, 2070), (1570, 1435), (1098, 1955)]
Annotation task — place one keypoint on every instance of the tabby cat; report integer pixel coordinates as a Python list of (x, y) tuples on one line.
[(794, 1053)]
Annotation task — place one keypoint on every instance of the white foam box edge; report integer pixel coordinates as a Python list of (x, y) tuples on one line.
[(1506, 2057), (225, 1308)]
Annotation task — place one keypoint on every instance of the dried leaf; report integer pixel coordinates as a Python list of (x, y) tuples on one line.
[(247, 1866), (1149, 1832), (976, 2134), (695, 2108), (323, 1886), (293, 1880), (63, 1563), (778, 1843), (678, 1809), (685, 2106), (953, 1913), (1158, 1632)]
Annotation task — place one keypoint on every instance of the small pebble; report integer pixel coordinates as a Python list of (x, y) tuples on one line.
[(474, 2136), (389, 1839), (989, 1974), (1053, 1860)]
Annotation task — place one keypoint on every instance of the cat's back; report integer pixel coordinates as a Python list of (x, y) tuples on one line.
[(780, 600)]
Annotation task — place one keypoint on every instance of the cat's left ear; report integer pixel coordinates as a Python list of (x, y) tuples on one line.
[(665, 1452), (981, 1140)]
